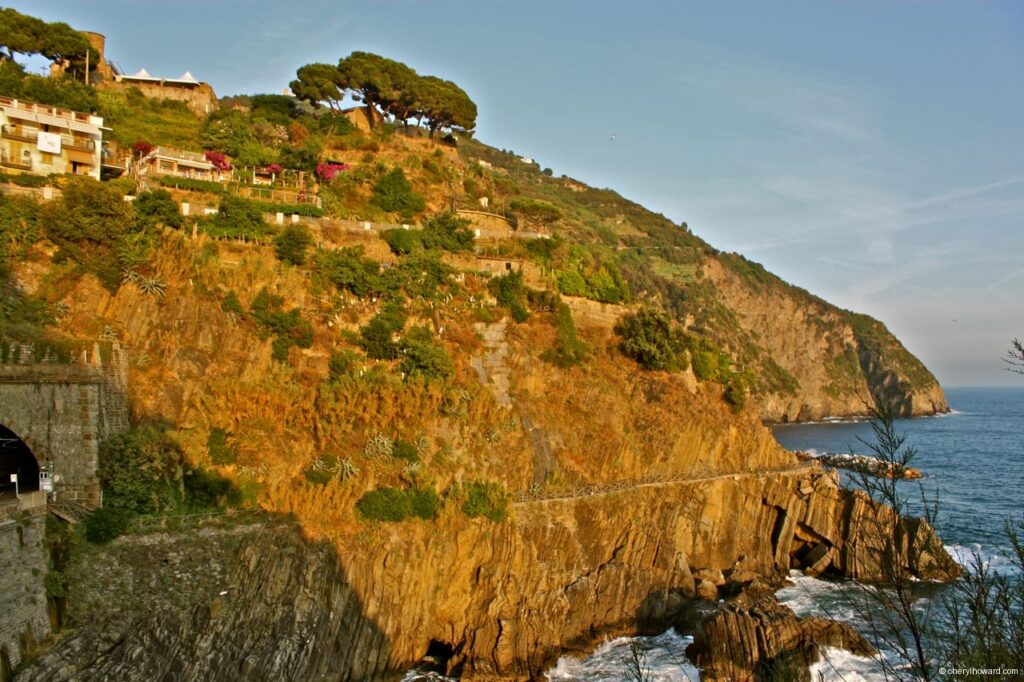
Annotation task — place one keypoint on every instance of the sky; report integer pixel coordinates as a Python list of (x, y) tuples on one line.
[(870, 152)]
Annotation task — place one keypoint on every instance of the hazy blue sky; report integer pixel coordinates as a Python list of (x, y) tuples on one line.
[(872, 153)]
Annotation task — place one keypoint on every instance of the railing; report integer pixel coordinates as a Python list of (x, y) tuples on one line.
[(541, 494), (30, 135), (44, 109), (15, 165)]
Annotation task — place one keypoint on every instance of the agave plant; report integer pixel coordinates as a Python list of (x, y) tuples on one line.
[(60, 309), (379, 446), (109, 333), (347, 469), (153, 286)]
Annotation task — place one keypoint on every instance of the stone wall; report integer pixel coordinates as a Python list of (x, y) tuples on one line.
[(22, 593), (63, 411)]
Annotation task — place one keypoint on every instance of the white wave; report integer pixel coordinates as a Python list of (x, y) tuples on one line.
[(417, 676), (663, 659), (839, 665), (994, 559)]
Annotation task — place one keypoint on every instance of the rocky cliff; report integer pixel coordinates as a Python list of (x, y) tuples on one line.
[(633, 491), (840, 364), (493, 601)]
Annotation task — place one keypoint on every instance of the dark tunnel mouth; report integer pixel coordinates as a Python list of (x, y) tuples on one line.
[(16, 458)]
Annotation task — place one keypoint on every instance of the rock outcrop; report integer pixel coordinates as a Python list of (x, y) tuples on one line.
[(754, 637), (500, 601)]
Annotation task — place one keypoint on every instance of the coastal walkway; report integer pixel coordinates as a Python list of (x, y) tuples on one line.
[(532, 496)]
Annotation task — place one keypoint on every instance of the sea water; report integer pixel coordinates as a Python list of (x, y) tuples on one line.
[(973, 461)]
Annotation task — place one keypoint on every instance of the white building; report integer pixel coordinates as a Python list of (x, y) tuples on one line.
[(44, 140)]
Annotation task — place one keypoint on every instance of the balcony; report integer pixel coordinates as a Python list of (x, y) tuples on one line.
[(15, 165), (24, 134), (19, 133)]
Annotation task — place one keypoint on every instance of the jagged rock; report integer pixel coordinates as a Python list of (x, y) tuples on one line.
[(503, 599), (748, 640)]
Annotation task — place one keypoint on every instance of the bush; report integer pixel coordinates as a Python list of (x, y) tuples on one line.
[(292, 244), (190, 184), (377, 338), (705, 365), (510, 293), (92, 223), (220, 451), (568, 349), (105, 524), (347, 269), (403, 242), (209, 490), (393, 504), (157, 208), (322, 471), (735, 393), (232, 305), (422, 356), (447, 231), (238, 218), (405, 450), (393, 193), (649, 337), (424, 503), (385, 504), (288, 327), (486, 499), (343, 364), (571, 283), (139, 470)]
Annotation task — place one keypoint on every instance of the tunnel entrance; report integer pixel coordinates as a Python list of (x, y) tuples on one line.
[(16, 458)]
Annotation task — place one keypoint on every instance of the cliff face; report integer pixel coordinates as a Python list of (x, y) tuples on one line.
[(840, 362), (658, 487), (500, 600)]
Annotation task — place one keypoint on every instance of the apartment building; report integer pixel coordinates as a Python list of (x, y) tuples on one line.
[(44, 140)]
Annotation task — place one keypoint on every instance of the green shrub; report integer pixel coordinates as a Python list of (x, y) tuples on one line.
[(105, 524), (385, 504), (510, 293), (422, 356), (92, 223), (394, 504), (190, 184), (403, 242), (649, 337), (232, 305), (34, 181), (139, 470), (305, 210), (322, 471), (221, 452), (735, 393), (287, 326), (209, 490), (405, 450), (393, 193), (568, 349), (486, 499), (377, 338), (347, 269), (158, 208), (237, 218), (424, 503), (343, 363), (705, 365), (571, 283), (447, 231), (292, 244)]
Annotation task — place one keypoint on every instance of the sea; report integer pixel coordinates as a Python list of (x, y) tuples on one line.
[(973, 462)]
